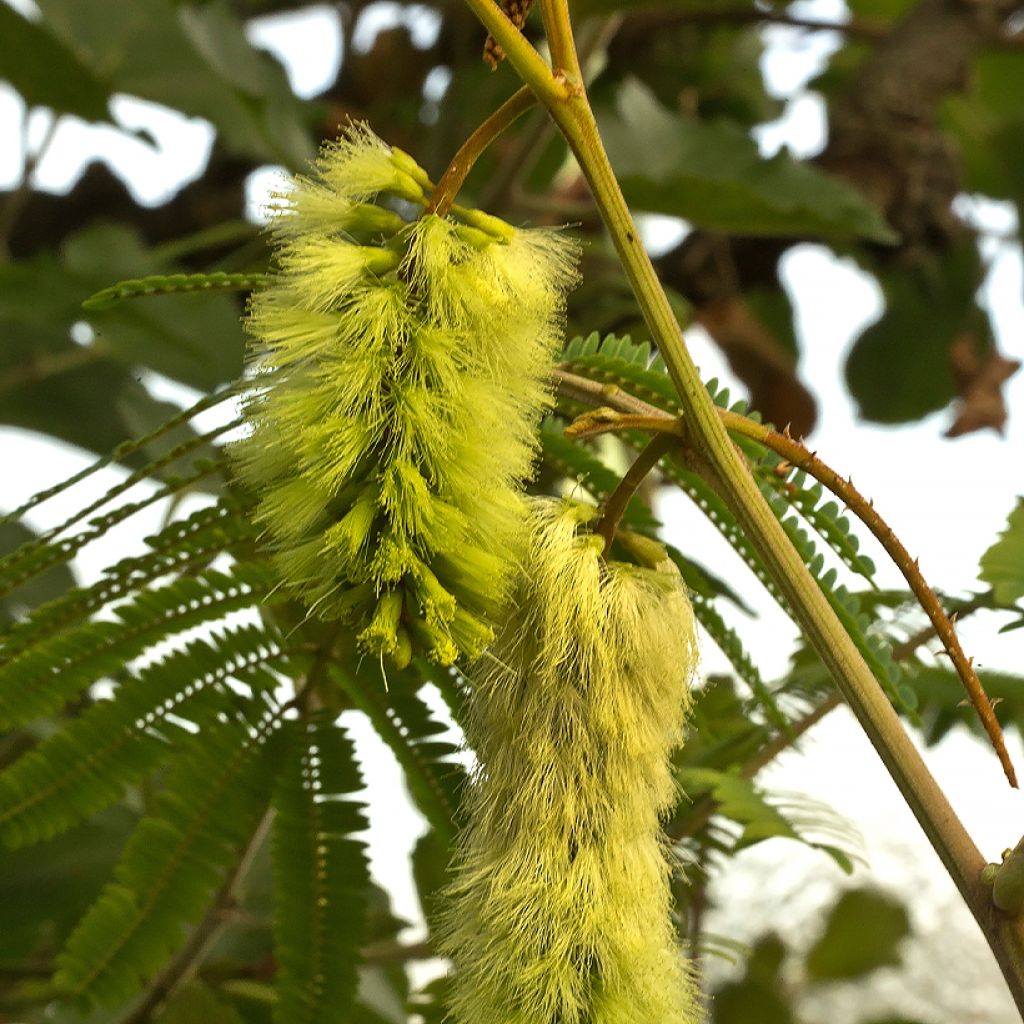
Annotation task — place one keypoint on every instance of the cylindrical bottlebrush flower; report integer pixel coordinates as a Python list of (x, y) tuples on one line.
[(560, 908), (400, 367)]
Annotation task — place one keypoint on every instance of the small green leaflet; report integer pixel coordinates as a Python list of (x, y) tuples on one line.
[(164, 284), (1003, 564)]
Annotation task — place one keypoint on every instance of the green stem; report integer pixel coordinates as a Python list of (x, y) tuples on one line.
[(602, 421), (724, 468), (618, 500), (470, 151)]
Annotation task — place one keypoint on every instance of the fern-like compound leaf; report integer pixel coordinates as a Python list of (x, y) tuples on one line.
[(172, 284), (122, 452), (175, 860), (407, 726), (764, 815), (87, 765), (42, 679), (321, 874), (39, 555), (186, 545)]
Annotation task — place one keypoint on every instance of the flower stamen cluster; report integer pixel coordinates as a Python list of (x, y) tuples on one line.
[(400, 367), (560, 911)]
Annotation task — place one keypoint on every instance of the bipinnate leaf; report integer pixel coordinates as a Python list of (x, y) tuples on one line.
[(43, 588), (713, 176), (197, 1002), (40, 680), (1002, 564), (175, 861), (171, 284), (766, 816), (321, 876), (405, 723), (862, 933), (88, 764)]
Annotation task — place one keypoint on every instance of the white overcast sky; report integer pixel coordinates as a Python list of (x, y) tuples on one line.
[(946, 499)]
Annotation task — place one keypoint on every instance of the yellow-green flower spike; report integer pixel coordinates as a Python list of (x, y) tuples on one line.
[(559, 912), (399, 369)]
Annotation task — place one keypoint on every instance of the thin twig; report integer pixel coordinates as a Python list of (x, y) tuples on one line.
[(184, 963), (959, 610), (540, 130), (640, 416), (864, 510), (471, 150), (43, 365), (619, 499), (19, 195)]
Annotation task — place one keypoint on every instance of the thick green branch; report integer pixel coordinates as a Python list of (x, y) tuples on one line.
[(723, 467), (602, 421)]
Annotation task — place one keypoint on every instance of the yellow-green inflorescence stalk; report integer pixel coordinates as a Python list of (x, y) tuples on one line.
[(560, 908), (400, 367)]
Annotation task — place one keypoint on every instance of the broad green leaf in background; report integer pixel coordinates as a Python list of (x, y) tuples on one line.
[(716, 67), (1002, 565), (46, 888), (760, 994), (713, 176), (196, 340), (899, 369), (988, 123), (46, 72), (82, 407), (594, 6), (862, 933), (197, 1002), (879, 10), (193, 58), (89, 394)]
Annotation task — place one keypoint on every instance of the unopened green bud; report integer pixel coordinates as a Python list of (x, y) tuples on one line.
[(381, 635), (400, 657), (374, 220), (435, 603), (394, 558), (351, 534), (486, 222), (1008, 884), (431, 638), (479, 240), (470, 633), (405, 163), (352, 603), (471, 575)]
